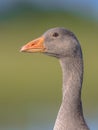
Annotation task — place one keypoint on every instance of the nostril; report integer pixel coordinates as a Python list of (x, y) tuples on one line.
[(32, 44)]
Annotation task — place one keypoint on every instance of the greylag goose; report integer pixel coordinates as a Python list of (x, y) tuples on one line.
[(63, 44)]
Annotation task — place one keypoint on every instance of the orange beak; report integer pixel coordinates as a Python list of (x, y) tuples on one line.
[(34, 46)]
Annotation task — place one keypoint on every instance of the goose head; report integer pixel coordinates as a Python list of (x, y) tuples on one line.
[(57, 42)]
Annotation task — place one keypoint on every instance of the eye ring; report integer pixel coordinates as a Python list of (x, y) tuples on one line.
[(55, 34)]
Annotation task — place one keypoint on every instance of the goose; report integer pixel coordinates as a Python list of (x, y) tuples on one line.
[(64, 45)]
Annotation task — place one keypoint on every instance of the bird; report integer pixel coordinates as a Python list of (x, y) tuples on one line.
[(63, 44)]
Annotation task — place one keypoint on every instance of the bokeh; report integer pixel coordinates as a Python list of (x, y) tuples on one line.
[(30, 84)]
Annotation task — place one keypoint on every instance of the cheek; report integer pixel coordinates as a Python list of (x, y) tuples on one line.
[(50, 46), (54, 46)]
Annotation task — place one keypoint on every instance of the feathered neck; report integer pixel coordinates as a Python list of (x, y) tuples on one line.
[(70, 116)]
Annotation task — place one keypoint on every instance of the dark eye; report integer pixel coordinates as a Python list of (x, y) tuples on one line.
[(55, 34)]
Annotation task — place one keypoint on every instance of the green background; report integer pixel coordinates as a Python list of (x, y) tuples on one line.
[(30, 84)]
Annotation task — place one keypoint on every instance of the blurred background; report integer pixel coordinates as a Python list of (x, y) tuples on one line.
[(30, 84)]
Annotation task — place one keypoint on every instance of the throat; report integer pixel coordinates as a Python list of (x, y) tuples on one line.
[(70, 115), (72, 69)]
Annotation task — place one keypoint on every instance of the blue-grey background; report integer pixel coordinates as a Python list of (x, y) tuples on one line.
[(30, 84)]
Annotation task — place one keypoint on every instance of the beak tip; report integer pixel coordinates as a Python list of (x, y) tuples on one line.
[(22, 49)]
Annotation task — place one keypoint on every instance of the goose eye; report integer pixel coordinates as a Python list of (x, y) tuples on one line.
[(55, 34)]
